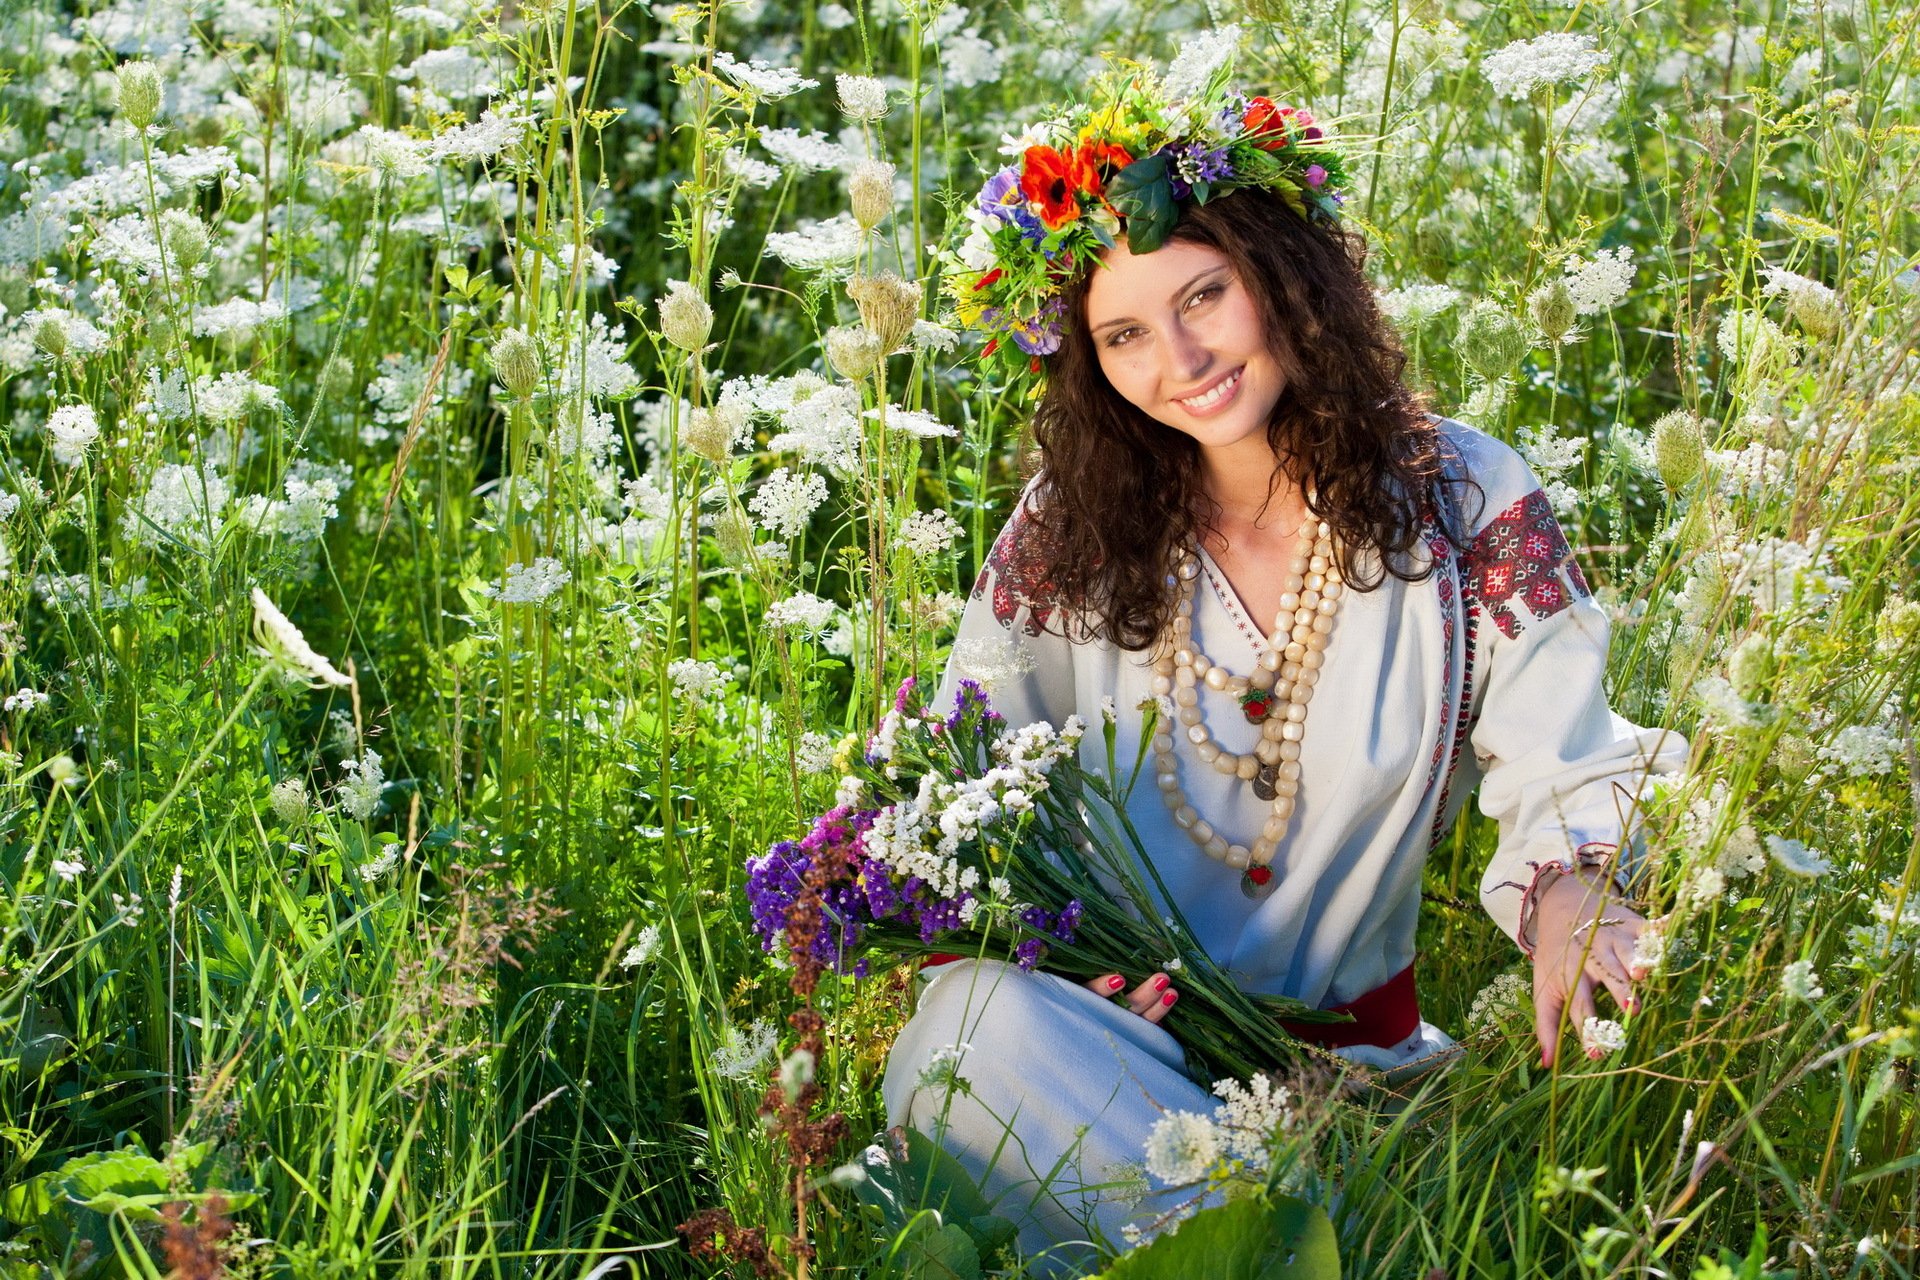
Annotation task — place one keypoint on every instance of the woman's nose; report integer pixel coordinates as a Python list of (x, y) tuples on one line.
[(1187, 353)]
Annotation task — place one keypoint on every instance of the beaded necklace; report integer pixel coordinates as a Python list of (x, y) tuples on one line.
[(1275, 697)]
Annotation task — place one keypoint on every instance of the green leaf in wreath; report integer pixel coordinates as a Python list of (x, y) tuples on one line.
[(1141, 194), (1252, 1239)]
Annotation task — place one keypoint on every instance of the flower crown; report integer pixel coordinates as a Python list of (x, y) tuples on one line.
[(1122, 162)]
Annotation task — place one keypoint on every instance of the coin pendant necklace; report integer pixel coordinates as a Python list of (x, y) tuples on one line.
[(1274, 696)]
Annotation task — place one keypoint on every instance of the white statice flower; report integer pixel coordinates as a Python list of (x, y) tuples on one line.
[(807, 153), (1182, 1147), (1795, 858), (862, 98), (1250, 1115), (1798, 981), (991, 662), (694, 680), (1560, 57), (814, 752), (740, 1053), (182, 504), (1200, 55), (68, 868), (359, 791), (533, 583), (288, 800), (786, 501), (1603, 1034), (766, 81), (646, 945), (1413, 305), (282, 644), (803, 612), (1864, 750), (925, 534), (942, 1068), (1600, 284), (72, 428), (917, 423), (25, 700), (828, 247), (1505, 999)]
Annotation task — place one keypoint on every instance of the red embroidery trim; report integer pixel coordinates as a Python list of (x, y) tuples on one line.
[(1523, 555), (1020, 567)]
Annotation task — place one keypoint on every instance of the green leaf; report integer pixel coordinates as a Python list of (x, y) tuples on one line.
[(920, 1175), (936, 1250), (1142, 195), (1251, 1239)]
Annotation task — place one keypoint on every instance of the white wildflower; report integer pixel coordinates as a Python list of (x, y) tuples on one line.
[(1250, 1115), (828, 247), (1702, 886), (862, 97), (359, 791), (1864, 750), (68, 868), (767, 81), (282, 644), (1556, 58), (1504, 999), (991, 662), (942, 1068), (814, 752), (785, 502), (1813, 304), (928, 336), (1650, 947), (1601, 284), (968, 58), (739, 1053), (646, 945), (802, 611), (1793, 857), (917, 423), (181, 503), (1182, 1147), (25, 700), (1798, 981), (808, 153), (288, 800), (694, 680), (1413, 305), (927, 533), (72, 428), (1200, 56), (530, 583), (484, 139), (1603, 1034)]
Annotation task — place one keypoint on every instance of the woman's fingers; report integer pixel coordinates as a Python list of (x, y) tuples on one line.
[(1548, 1001), (1580, 1005), (1151, 998), (1607, 964), (1107, 984)]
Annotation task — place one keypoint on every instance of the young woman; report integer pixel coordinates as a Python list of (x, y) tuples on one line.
[(1353, 615)]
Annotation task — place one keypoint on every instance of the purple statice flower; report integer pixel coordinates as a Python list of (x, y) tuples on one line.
[(1068, 920), (776, 880), (1002, 198), (967, 695), (1029, 952), (904, 693), (941, 915), (1191, 162)]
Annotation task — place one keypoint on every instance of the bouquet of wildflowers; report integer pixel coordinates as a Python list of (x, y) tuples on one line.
[(959, 835)]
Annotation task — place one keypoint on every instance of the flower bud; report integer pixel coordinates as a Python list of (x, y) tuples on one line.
[(185, 237), (1794, 756), (888, 306), (1679, 446), (862, 97), (140, 89), (516, 362), (707, 434), (870, 193), (1897, 626), (1750, 667), (1553, 310), (685, 317), (853, 351), (1490, 340), (51, 336)]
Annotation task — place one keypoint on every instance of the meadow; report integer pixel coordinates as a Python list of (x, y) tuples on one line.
[(474, 473)]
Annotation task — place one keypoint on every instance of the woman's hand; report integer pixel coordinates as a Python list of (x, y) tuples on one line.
[(1151, 999), (1567, 970)]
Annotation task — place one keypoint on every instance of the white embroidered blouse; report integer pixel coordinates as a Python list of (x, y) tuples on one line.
[(1502, 650)]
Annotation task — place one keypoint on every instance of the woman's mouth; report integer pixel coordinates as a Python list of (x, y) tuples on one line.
[(1215, 396)]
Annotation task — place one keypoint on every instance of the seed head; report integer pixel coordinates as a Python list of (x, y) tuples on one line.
[(1679, 446), (140, 90), (185, 237), (1750, 667), (1490, 340), (870, 193), (707, 434), (516, 362), (888, 306), (853, 351), (51, 336), (685, 317), (1553, 310)]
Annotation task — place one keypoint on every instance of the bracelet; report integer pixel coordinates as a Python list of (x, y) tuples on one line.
[(1601, 923)]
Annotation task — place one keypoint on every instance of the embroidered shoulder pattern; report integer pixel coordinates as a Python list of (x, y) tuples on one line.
[(1019, 571), (1522, 557)]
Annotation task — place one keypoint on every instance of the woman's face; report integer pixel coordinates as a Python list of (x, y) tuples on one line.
[(1179, 336)]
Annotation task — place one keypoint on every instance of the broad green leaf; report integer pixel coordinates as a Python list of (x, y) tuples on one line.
[(1287, 1239)]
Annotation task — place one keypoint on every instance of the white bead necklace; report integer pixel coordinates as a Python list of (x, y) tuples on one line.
[(1275, 696)]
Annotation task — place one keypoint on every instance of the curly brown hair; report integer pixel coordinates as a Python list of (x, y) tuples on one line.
[(1118, 492)]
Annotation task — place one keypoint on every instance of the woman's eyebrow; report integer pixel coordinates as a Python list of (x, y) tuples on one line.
[(1108, 324)]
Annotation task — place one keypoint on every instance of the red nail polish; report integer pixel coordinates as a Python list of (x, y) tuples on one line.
[(1160, 983), (1169, 998), (1116, 982)]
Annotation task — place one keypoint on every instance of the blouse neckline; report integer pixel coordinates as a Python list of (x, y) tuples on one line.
[(1230, 600)]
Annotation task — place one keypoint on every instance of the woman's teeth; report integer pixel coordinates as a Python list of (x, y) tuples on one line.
[(1216, 395)]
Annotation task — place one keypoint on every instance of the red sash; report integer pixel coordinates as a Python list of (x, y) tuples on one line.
[(1384, 1016)]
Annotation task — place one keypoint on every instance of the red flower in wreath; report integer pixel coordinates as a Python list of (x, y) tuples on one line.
[(1096, 154), (1268, 123), (1055, 180)]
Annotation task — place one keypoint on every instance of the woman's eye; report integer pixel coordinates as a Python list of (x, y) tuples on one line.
[(1114, 340), (1207, 292)]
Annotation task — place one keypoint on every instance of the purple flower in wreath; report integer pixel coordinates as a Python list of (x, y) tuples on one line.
[(1002, 197), (1040, 335), (1191, 162)]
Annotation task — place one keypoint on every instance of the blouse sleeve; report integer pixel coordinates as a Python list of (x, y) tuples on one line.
[(1013, 634), (1563, 775)]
